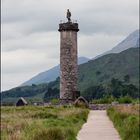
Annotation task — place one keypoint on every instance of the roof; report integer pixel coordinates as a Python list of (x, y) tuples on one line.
[(81, 99), (24, 101)]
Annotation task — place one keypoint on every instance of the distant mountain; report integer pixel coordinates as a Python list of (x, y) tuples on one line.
[(131, 41), (51, 74), (95, 72), (31, 93)]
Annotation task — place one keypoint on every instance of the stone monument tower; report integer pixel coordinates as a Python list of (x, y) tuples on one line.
[(68, 60)]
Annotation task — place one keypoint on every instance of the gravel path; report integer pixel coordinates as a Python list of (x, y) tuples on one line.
[(98, 127)]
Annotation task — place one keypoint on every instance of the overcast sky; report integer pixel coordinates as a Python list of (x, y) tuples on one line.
[(30, 37)]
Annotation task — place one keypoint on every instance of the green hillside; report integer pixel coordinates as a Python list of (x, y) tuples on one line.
[(123, 66), (103, 69), (30, 93)]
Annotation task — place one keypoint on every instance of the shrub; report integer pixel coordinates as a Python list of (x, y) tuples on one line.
[(55, 101), (125, 99), (104, 100)]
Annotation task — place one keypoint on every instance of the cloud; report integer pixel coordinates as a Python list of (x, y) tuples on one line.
[(93, 15), (20, 65), (39, 41), (30, 37), (96, 43)]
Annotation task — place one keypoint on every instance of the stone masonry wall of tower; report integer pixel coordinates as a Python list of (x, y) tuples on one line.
[(68, 60)]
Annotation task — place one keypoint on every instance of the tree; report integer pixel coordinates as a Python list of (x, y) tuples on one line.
[(98, 72), (127, 78), (50, 94), (94, 92)]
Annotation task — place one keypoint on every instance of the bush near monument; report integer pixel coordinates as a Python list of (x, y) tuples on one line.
[(115, 90)]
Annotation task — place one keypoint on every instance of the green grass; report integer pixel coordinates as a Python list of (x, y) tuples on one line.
[(110, 99), (41, 123), (126, 121)]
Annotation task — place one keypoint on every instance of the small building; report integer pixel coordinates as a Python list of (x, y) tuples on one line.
[(81, 101), (21, 102)]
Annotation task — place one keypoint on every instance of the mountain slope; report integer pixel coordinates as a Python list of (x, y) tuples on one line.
[(131, 41), (94, 72), (31, 93), (50, 75), (103, 69)]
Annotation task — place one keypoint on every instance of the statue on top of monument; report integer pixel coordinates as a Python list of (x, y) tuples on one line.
[(68, 15)]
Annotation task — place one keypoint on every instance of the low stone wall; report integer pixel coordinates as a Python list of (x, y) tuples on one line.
[(99, 106)]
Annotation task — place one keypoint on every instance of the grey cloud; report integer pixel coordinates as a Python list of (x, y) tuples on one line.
[(93, 16), (99, 42), (39, 41), (22, 60)]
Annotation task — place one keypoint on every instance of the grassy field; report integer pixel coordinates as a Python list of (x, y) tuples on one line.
[(126, 120), (41, 123)]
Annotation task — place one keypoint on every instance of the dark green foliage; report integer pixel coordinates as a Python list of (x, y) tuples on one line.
[(50, 94), (54, 84), (127, 78), (31, 93), (98, 72), (34, 85), (104, 100), (125, 99), (25, 91), (55, 101), (115, 89), (126, 124), (122, 66), (118, 88), (94, 92)]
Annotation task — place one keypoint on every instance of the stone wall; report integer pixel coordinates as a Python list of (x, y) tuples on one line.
[(99, 106)]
